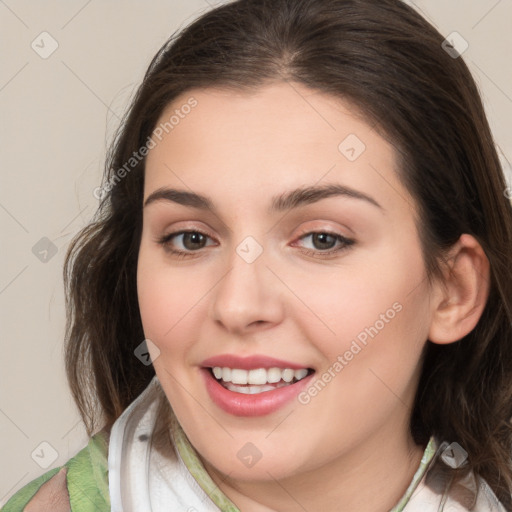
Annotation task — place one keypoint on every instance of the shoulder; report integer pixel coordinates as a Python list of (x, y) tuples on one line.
[(481, 499), (487, 499), (81, 484), (52, 495), (470, 493), (441, 489), (19, 501)]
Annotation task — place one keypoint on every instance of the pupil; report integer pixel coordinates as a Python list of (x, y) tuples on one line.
[(193, 237), (321, 237)]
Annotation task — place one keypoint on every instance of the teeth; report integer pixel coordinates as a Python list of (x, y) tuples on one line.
[(288, 375), (258, 377), (300, 374), (273, 375), (226, 374), (238, 376), (249, 390)]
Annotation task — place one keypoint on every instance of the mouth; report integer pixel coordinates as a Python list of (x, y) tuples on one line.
[(253, 386), (258, 380)]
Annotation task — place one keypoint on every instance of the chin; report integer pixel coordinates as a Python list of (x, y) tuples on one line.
[(249, 464)]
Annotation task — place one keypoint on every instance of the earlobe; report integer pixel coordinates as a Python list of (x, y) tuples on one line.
[(462, 294)]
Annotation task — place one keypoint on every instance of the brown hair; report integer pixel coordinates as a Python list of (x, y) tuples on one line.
[(385, 59)]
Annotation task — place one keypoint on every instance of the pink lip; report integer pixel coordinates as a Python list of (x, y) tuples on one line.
[(239, 404), (249, 363)]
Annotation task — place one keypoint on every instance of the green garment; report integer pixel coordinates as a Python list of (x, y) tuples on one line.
[(87, 480)]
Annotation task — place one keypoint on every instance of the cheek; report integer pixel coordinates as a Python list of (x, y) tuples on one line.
[(380, 320), (169, 301), (375, 311)]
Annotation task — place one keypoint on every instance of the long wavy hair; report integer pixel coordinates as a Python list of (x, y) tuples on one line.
[(390, 63)]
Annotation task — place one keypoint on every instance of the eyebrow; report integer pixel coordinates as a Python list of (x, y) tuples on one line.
[(283, 202)]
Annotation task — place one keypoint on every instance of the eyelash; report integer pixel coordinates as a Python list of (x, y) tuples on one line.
[(347, 243)]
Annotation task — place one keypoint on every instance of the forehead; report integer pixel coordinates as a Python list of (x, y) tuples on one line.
[(279, 114), (279, 136)]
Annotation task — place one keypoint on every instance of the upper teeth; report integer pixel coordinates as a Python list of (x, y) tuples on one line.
[(259, 376)]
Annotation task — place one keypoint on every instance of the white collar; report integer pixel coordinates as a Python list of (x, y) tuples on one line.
[(141, 479)]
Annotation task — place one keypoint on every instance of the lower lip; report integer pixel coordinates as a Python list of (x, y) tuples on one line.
[(259, 404)]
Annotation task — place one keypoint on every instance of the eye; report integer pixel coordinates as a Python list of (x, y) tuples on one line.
[(324, 243), (191, 241)]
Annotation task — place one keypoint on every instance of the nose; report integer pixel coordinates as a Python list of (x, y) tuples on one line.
[(248, 296)]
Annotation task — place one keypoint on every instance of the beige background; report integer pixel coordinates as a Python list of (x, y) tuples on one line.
[(57, 117)]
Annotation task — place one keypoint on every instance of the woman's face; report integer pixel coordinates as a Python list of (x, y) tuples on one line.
[(304, 257)]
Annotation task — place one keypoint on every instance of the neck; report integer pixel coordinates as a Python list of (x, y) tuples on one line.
[(370, 477)]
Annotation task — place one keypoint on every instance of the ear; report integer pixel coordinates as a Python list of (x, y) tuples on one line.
[(461, 295)]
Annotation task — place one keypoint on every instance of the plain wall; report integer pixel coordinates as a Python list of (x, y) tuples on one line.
[(57, 116)]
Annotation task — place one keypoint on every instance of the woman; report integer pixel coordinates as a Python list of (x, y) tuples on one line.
[(340, 338)]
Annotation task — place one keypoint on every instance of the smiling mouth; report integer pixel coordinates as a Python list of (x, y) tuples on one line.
[(259, 380)]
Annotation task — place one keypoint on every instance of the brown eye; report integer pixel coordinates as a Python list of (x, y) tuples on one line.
[(323, 240), (189, 242), (324, 243)]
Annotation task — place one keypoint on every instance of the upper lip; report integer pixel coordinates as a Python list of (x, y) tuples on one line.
[(249, 362)]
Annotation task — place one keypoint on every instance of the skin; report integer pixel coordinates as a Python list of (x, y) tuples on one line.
[(350, 444), (52, 496)]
